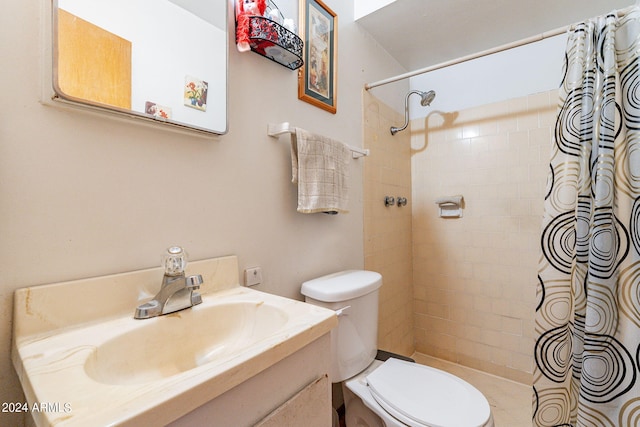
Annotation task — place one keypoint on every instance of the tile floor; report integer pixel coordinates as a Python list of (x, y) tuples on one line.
[(510, 401)]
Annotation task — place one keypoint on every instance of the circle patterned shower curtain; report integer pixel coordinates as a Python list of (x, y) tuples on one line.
[(587, 349)]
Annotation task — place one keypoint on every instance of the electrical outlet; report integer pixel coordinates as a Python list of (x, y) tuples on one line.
[(252, 276)]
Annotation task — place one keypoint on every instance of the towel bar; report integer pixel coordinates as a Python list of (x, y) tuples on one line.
[(275, 130)]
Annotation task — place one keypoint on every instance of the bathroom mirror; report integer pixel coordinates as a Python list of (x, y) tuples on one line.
[(159, 60)]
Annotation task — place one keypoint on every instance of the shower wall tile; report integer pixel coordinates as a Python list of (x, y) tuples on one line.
[(388, 230), (474, 278)]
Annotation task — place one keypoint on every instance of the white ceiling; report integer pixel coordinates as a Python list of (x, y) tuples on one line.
[(420, 33)]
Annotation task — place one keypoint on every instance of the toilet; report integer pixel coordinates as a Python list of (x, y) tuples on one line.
[(395, 392)]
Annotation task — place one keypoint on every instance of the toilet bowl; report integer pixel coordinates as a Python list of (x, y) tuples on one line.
[(409, 394), (393, 393)]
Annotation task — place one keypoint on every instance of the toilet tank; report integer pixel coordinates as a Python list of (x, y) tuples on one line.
[(353, 294)]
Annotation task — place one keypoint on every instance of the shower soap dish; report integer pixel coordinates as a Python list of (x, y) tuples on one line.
[(450, 207)]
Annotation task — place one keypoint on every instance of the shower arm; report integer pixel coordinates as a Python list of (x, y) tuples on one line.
[(394, 129)]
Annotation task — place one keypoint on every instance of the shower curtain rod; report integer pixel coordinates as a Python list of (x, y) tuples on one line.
[(522, 42)]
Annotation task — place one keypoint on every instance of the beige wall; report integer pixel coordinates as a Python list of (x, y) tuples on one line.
[(475, 277), (387, 230), (84, 195)]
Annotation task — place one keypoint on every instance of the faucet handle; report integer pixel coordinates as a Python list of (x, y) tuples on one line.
[(174, 261), (193, 282)]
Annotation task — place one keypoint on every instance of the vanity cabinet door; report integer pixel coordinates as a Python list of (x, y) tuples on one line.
[(310, 407)]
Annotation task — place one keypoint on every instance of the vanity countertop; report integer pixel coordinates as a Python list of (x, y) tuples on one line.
[(57, 345)]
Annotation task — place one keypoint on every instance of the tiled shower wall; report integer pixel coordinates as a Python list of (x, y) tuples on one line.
[(474, 278), (387, 230)]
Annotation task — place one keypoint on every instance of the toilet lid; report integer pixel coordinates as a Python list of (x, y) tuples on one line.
[(419, 395)]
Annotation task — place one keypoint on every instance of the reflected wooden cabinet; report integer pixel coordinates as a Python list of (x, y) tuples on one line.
[(84, 49)]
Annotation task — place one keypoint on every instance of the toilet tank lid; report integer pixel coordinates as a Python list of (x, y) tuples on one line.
[(342, 286)]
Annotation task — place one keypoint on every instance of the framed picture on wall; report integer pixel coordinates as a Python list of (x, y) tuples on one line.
[(317, 78)]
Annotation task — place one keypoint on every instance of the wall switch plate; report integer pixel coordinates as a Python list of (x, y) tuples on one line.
[(252, 276)]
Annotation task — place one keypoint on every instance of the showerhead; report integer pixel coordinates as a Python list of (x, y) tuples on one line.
[(426, 98)]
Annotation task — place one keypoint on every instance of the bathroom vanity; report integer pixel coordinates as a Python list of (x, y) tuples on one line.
[(241, 357)]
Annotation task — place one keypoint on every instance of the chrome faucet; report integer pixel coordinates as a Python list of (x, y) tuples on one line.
[(177, 290)]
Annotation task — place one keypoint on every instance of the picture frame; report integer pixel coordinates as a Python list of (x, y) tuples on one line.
[(317, 78)]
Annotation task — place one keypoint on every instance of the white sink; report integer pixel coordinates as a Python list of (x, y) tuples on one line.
[(164, 346), (112, 369)]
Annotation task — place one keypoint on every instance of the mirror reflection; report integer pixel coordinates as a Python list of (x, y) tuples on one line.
[(164, 60)]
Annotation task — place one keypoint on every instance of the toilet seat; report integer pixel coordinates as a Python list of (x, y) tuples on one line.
[(420, 396)]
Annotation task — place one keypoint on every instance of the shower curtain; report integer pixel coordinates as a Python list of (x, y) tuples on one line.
[(587, 348)]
